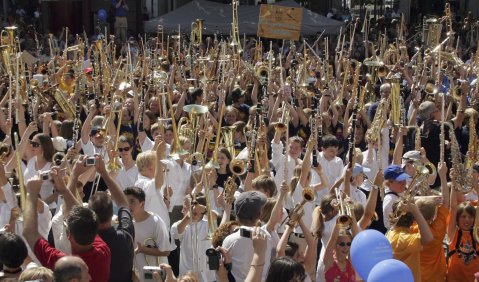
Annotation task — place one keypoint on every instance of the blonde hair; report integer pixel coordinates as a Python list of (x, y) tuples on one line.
[(145, 160), (36, 273), (427, 208)]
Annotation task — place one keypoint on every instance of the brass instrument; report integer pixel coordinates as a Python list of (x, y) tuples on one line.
[(238, 167), (471, 159), (211, 221), (235, 36), (21, 180), (227, 133), (64, 103), (196, 32), (283, 122), (395, 99), (308, 196), (229, 190), (262, 73), (422, 173), (151, 243), (195, 112), (373, 133), (345, 215)]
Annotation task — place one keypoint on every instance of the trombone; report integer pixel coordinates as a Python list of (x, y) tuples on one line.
[(308, 196)]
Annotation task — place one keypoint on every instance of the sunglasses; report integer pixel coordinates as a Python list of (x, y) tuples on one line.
[(34, 144), (342, 244), (126, 149)]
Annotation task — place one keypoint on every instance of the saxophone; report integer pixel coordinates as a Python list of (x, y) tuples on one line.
[(471, 158), (373, 133), (457, 164)]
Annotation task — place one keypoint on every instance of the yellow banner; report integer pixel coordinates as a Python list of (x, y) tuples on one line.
[(280, 22)]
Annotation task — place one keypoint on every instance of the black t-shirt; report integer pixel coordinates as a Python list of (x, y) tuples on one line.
[(120, 242), (223, 177)]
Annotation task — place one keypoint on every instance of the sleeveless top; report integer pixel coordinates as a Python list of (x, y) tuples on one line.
[(462, 257), (334, 274)]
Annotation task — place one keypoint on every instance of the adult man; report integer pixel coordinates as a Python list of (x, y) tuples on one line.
[(247, 207), (71, 268), (120, 240), (121, 22), (82, 229)]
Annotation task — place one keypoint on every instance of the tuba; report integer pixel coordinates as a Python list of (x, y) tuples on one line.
[(196, 32)]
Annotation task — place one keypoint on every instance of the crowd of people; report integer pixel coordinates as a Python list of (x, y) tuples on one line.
[(254, 161)]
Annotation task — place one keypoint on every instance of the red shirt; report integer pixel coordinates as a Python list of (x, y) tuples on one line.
[(97, 259)]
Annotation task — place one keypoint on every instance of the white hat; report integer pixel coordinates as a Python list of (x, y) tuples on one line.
[(59, 143)]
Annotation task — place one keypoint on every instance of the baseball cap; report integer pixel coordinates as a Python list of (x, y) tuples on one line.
[(359, 169), (237, 93), (95, 130), (249, 204), (411, 156), (395, 172)]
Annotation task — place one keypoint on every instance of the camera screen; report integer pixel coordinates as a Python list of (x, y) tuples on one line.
[(148, 275)]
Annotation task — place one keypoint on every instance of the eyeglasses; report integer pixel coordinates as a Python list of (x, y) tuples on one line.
[(126, 149), (34, 144), (342, 244)]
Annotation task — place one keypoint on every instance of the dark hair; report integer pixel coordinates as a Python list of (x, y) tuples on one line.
[(47, 146), (102, 205), (66, 129), (125, 139), (135, 192), (82, 225), (329, 141), (13, 250), (291, 249), (284, 269), (465, 207), (67, 272), (265, 183)]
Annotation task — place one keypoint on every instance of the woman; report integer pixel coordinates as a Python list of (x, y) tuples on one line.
[(42, 149), (224, 159), (463, 249), (336, 261)]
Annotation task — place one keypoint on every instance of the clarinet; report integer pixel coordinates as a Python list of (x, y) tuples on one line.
[(29, 97), (76, 119), (317, 132), (142, 108), (354, 116), (252, 149)]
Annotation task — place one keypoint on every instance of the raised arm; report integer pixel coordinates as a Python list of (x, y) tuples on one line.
[(30, 215)]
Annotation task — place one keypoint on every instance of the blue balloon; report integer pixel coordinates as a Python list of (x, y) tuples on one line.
[(367, 249), (102, 15), (391, 270)]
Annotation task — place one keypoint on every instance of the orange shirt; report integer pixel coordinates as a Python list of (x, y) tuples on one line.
[(433, 261), (406, 248), (462, 268)]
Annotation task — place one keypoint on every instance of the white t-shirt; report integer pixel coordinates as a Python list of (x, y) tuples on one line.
[(388, 202), (308, 208), (372, 163), (154, 202), (241, 251), (193, 249), (91, 150), (127, 178), (277, 159), (148, 145), (179, 178), (332, 169), (47, 186), (151, 228), (7, 206)]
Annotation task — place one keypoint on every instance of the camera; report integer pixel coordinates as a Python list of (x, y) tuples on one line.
[(245, 233), (45, 175), (148, 273), (213, 259), (90, 161)]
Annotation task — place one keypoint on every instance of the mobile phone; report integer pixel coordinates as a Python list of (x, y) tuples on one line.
[(148, 273), (90, 161), (245, 233), (213, 259)]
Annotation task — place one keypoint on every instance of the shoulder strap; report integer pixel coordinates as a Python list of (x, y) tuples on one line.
[(392, 193)]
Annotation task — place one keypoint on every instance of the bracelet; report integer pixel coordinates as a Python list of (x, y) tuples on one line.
[(260, 264)]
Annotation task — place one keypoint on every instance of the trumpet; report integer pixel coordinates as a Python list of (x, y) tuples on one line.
[(297, 212), (238, 167), (345, 212), (113, 165)]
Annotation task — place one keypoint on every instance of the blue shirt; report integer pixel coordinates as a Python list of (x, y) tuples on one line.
[(121, 11)]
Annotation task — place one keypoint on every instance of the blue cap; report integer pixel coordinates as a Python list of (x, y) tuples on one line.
[(396, 173), (359, 169)]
